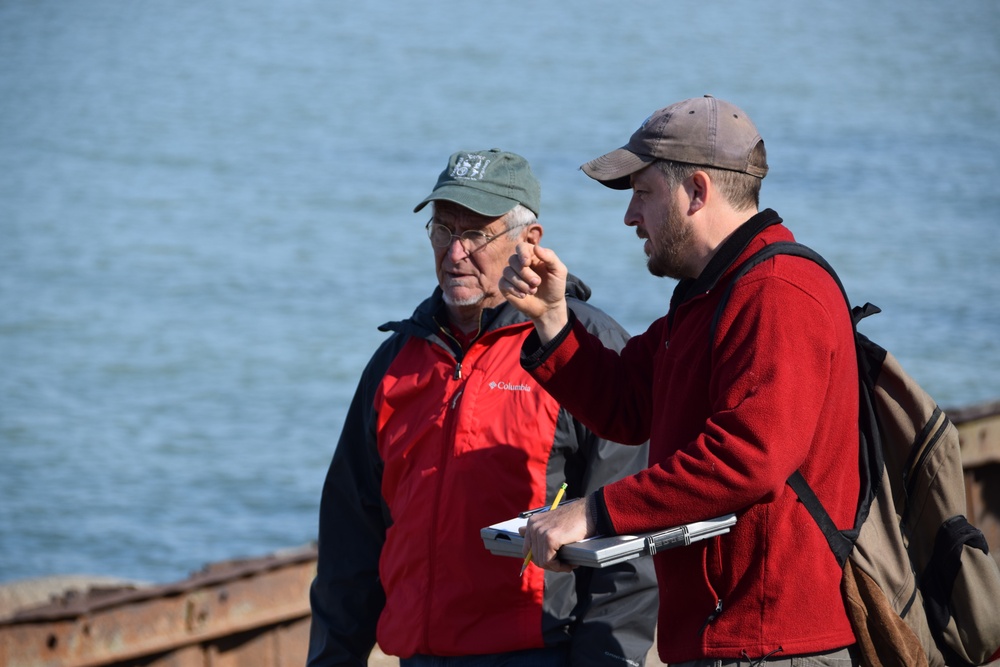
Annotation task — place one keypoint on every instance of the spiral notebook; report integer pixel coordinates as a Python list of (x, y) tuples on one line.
[(502, 539)]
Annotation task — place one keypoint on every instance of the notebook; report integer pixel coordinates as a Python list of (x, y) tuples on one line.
[(502, 539)]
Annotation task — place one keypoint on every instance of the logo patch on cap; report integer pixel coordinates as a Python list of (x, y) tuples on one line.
[(471, 167)]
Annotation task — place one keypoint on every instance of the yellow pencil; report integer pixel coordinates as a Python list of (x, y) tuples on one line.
[(555, 504)]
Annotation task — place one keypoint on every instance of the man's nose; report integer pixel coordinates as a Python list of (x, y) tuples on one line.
[(456, 249), (632, 217)]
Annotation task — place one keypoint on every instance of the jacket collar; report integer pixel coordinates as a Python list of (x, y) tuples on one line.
[(725, 258)]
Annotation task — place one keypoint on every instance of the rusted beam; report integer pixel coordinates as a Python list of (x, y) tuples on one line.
[(978, 433), (229, 599)]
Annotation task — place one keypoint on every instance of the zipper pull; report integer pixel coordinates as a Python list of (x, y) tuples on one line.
[(458, 371), (711, 617)]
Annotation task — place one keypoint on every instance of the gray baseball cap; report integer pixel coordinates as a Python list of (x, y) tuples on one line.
[(703, 131), (489, 183)]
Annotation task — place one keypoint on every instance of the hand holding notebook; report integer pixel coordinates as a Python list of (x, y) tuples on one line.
[(504, 539)]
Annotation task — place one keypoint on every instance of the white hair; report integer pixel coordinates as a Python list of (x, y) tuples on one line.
[(517, 217)]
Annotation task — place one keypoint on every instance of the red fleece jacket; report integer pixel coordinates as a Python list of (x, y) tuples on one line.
[(728, 421)]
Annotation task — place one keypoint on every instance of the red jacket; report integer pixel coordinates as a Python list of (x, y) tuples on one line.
[(438, 444), (729, 420)]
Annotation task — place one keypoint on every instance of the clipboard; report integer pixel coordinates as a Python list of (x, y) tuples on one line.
[(503, 539)]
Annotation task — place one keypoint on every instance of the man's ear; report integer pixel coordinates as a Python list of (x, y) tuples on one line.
[(533, 234), (699, 190)]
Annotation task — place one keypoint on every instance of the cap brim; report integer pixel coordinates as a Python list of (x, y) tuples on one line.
[(614, 169), (477, 201)]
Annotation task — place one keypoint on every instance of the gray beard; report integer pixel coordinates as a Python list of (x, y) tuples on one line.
[(460, 303)]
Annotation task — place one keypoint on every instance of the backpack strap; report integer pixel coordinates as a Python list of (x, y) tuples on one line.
[(765, 253), (841, 542)]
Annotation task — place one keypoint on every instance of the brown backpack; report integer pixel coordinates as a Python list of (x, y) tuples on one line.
[(919, 584)]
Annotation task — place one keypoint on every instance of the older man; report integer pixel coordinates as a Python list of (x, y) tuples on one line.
[(448, 434)]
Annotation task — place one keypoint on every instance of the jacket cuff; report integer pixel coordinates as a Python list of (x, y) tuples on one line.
[(534, 353), (597, 514)]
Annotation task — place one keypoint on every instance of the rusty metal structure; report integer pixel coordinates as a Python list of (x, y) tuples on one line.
[(256, 612), (252, 612), (979, 434)]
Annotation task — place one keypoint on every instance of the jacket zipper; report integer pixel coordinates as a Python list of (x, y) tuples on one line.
[(449, 431), (456, 350), (711, 617)]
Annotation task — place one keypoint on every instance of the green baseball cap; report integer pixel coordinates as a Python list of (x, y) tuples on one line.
[(489, 183)]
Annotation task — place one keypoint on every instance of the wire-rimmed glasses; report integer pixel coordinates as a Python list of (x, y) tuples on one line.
[(471, 239)]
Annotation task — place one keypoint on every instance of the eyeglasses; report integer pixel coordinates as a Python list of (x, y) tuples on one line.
[(471, 239)]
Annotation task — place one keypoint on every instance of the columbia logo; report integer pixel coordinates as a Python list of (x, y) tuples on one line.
[(506, 386)]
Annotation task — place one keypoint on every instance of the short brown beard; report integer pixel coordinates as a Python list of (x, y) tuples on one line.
[(668, 250)]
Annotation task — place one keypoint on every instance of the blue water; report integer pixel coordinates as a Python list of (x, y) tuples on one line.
[(205, 211)]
